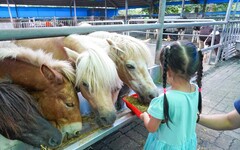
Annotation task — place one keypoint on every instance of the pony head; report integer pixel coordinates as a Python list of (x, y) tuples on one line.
[(62, 109), (132, 63), (97, 79), (132, 58), (21, 120), (49, 81)]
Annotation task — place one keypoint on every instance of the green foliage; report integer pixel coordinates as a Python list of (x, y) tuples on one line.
[(173, 9), (176, 9), (217, 7)]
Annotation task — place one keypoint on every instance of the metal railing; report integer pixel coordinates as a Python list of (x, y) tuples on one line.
[(105, 22), (230, 36), (226, 47)]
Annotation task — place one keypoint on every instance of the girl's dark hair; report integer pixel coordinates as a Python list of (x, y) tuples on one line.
[(199, 80), (183, 59)]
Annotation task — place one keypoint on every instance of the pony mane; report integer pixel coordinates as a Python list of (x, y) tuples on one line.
[(82, 42), (130, 45), (16, 105), (91, 67), (36, 58)]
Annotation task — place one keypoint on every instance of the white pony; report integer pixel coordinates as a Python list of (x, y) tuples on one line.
[(130, 55)]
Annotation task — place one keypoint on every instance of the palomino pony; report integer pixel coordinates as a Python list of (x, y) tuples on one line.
[(130, 55), (41, 76), (21, 120), (96, 75)]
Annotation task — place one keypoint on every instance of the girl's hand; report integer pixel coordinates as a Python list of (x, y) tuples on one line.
[(143, 115), (150, 122)]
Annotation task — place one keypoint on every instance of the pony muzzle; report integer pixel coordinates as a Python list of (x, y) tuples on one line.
[(147, 96), (53, 142), (71, 130), (107, 119)]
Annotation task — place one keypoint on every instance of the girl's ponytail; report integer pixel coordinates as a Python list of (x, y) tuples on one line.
[(165, 101), (199, 80)]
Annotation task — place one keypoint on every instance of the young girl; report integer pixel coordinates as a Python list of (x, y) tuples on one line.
[(171, 118)]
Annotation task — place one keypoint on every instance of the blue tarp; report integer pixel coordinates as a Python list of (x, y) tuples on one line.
[(25, 12)]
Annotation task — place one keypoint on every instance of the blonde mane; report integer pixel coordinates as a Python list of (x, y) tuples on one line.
[(97, 69), (130, 45), (36, 58)]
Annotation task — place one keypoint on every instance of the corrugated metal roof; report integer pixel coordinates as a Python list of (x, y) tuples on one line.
[(83, 3)]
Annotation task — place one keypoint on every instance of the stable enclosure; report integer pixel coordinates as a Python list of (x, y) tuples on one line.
[(227, 48)]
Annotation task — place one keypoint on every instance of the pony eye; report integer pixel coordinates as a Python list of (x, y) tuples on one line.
[(129, 66), (85, 84), (69, 104), (116, 89)]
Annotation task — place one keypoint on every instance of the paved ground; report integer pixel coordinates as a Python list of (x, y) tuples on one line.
[(221, 84)]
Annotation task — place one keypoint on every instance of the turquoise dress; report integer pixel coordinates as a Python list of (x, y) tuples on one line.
[(181, 135)]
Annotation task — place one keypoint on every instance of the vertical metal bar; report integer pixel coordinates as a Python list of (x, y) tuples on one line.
[(151, 10), (71, 10), (212, 43), (16, 11), (226, 44), (75, 13), (224, 33), (10, 13), (235, 10), (105, 9), (204, 8), (228, 10), (161, 14), (230, 25), (225, 41), (183, 5), (238, 30), (229, 43), (126, 8)]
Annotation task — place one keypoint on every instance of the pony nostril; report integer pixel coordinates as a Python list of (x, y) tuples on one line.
[(151, 96), (53, 142), (108, 120), (104, 120), (77, 133)]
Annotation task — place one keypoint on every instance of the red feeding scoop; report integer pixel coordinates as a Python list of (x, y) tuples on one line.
[(134, 109)]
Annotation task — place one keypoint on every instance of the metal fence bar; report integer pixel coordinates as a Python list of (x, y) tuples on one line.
[(105, 22), (212, 43), (170, 20), (96, 136), (7, 34)]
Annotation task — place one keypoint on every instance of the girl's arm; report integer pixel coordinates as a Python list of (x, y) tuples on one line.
[(221, 121), (151, 123)]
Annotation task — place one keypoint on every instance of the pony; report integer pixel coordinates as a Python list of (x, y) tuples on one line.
[(49, 81), (21, 120), (205, 39), (96, 74), (96, 77), (131, 57)]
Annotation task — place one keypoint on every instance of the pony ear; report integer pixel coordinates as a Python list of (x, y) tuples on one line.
[(72, 62), (114, 48), (71, 54), (51, 75)]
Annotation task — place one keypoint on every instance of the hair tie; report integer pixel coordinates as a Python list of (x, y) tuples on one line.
[(164, 90), (200, 89)]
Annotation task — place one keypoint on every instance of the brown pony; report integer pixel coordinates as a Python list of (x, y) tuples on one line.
[(96, 74), (21, 120), (43, 78)]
